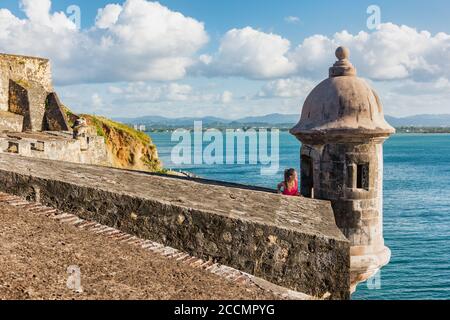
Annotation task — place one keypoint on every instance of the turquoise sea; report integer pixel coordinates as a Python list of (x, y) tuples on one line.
[(416, 209)]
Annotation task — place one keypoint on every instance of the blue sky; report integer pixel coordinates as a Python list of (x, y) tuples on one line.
[(231, 58), (324, 16)]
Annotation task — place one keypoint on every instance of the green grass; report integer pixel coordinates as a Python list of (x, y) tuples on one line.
[(70, 115), (100, 122), (23, 83)]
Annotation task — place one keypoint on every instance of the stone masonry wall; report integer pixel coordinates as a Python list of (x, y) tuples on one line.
[(55, 146), (293, 242), (10, 121), (55, 118), (22, 70), (19, 104), (357, 210), (350, 175)]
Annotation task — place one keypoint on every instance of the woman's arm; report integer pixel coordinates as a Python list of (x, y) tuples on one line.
[(280, 186)]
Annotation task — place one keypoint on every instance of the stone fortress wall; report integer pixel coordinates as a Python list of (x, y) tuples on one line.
[(23, 70), (33, 122), (292, 242), (55, 146)]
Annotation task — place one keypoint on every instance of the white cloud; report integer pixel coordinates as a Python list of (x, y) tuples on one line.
[(413, 88), (205, 59), (391, 52), (97, 101), (178, 92), (404, 104), (292, 19), (142, 40), (286, 88), (138, 92), (108, 16), (115, 90), (139, 40), (227, 97), (251, 53), (142, 93), (37, 12)]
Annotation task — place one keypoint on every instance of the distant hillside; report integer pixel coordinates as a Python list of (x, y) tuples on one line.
[(162, 121), (271, 119), (275, 118), (425, 120)]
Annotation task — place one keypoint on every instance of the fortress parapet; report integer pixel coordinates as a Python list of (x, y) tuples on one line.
[(28, 71), (292, 242)]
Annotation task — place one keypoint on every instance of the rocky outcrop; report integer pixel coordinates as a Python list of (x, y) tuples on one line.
[(127, 148)]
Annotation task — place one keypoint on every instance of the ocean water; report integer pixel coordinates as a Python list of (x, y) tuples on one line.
[(416, 209)]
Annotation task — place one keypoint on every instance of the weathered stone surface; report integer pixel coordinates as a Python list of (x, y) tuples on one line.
[(57, 146), (22, 69), (24, 85), (10, 121), (19, 103), (28, 99), (290, 241), (55, 117), (36, 97), (36, 251), (342, 104)]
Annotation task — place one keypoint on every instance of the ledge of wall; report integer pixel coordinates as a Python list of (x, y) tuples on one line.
[(58, 146), (292, 242)]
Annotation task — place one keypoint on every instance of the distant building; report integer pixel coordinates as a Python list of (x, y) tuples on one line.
[(142, 128)]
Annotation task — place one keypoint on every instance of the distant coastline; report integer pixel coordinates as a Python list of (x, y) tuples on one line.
[(423, 130), (403, 130), (426, 123)]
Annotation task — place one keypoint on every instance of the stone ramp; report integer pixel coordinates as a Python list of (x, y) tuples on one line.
[(291, 242), (40, 244), (262, 288)]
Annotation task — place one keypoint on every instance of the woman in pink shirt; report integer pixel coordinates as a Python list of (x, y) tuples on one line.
[(289, 187)]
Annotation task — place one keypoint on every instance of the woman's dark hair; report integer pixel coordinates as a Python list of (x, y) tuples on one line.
[(289, 178)]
